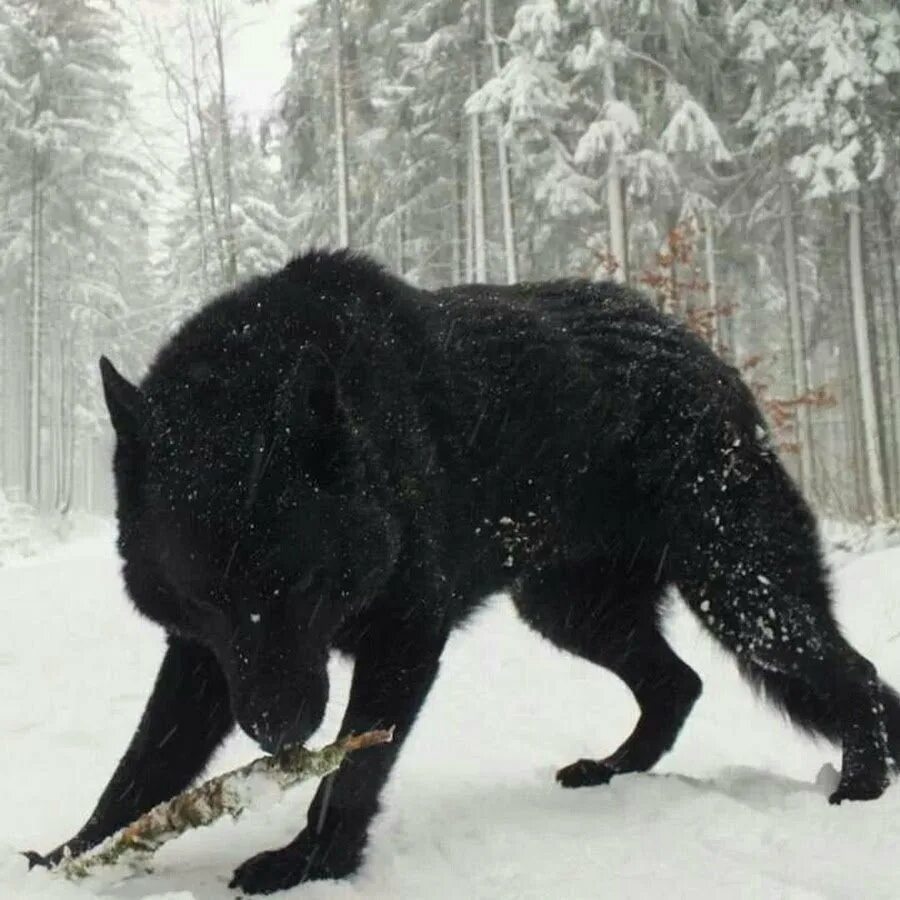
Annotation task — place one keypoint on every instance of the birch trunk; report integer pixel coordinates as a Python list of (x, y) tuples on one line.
[(509, 234), (615, 192), (477, 188), (795, 324), (866, 373), (340, 124)]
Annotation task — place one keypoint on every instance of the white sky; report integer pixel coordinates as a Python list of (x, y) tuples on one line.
[(257, 61), (260, 56)]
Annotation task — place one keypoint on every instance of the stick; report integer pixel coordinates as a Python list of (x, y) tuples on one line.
[(230, 793)]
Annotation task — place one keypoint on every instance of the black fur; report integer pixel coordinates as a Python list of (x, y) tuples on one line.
[(327, 458)]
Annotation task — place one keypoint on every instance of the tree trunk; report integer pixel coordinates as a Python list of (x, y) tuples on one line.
[(198, 201), (34, 374), (459, 215), (67, 420), (71, 446), (15, 408), (880, 343), (88, 457), (470, 215), (340, 125), (509, 234), (795, 322), (56, 417), (714, 341), (401, 244), (615, 188), (205, 160), (886, 247), (476, 183), (216, 23), (852, 403), (867, 385)]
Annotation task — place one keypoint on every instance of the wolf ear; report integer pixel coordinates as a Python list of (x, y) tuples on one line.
[(126, 404)]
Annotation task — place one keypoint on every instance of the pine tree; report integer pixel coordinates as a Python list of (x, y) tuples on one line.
[(813, 114), (72, 191)]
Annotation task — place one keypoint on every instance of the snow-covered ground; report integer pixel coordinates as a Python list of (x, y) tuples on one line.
[(472, 810)]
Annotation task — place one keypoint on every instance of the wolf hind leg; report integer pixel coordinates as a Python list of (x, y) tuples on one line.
[(611, 620)]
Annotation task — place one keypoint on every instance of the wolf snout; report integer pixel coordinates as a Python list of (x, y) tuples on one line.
[(278, 721)]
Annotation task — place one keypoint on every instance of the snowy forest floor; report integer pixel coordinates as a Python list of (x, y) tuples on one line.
[(472, 810)]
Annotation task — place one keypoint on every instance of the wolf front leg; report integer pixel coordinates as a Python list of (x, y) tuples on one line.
[(186, 718), (393, 673)]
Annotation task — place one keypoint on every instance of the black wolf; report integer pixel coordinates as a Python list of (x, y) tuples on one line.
[(327, 458)]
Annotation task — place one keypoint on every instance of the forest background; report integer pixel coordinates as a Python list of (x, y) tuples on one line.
[(740, 161)]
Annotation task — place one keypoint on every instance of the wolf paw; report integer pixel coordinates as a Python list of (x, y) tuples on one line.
[(585, 773), (858, 789), (52, 859), (299, 861), (38, 860)]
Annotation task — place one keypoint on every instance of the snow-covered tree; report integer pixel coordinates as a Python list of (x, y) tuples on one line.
[(814, 113), (73, 188), (741, 160), (574, 94)]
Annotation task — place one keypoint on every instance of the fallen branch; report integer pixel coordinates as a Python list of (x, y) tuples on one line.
[(230, 793)]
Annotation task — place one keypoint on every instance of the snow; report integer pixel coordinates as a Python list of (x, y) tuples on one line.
[(528, 86), (614, 132), (537, 22), (737, 810), (690, 130)]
